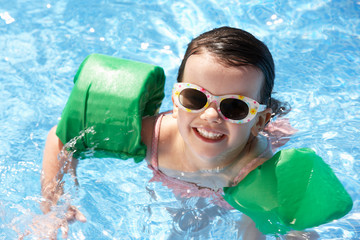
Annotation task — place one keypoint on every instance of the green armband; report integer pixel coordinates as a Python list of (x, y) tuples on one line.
[(294, 190), (110, 96)]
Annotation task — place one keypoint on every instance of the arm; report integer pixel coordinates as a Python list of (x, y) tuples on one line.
[(56, 162), (53, 169), (147, 129)]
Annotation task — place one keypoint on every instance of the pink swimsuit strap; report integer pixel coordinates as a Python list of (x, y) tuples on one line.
[(155, 141)]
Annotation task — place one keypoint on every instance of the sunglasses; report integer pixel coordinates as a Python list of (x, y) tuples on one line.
[(233, 108)]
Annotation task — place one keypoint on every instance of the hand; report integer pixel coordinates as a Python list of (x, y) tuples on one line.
[(47, 226), (73, 214)]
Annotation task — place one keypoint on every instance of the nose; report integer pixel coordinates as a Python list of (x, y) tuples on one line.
[(211, 114)]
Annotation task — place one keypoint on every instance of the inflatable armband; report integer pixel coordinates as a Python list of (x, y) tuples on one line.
[(293, 190), (111, 95)]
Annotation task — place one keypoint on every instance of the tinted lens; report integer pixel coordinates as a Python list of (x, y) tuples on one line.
[(234, 109), (192, 99)]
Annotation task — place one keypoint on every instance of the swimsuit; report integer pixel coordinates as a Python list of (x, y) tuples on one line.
[(187, 189)]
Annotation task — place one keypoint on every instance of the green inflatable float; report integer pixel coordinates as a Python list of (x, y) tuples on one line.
[(111, 95), (294, 190)]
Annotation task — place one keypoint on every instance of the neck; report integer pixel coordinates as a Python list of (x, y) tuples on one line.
[(192, 162)]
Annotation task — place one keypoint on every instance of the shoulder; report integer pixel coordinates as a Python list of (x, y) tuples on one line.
[(169, 147), (167, 128), (147, 129), (167, 131)]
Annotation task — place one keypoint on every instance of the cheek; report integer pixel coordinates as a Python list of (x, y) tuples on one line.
[(186, 118), (183, 119), (240, 134)]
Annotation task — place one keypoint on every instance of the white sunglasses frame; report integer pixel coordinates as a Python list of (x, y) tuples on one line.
[(254, 106)]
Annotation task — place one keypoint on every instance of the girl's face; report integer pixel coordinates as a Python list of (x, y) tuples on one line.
[(206, 135)]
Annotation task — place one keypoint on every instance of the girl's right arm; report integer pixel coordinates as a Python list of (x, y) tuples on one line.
[(53, 169), (55, 164)]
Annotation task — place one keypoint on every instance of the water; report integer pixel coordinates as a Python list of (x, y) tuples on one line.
[(315, 45)]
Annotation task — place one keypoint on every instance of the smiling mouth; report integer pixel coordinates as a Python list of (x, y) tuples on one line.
[(212, 136)]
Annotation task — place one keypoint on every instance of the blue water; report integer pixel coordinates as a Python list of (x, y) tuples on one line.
[(315, 45)]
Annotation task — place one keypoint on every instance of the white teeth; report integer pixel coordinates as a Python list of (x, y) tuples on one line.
[(210, 135)]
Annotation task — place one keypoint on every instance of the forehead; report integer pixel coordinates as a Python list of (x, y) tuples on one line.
[(208, 72)]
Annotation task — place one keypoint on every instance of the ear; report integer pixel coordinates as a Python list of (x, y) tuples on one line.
[(262, 119), (175, 109)]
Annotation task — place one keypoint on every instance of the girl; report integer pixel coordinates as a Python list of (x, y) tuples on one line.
[(207, 141), (212, 138)]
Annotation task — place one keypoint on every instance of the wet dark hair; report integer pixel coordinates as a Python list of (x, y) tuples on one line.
[(235, 47)]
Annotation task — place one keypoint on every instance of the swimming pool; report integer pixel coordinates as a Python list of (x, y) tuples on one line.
[(315, 45)]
